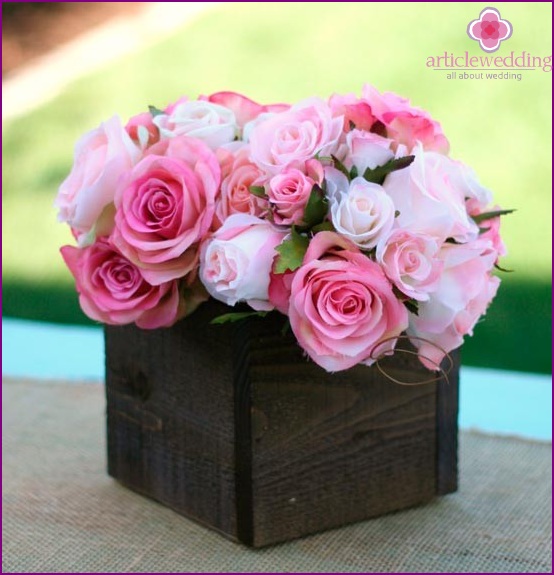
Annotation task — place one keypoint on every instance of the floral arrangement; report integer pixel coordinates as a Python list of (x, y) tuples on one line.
[(346, 215)]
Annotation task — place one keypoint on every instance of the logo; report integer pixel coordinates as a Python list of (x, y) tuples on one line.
[(489, 29)]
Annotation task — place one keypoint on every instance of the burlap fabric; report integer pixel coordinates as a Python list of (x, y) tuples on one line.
[(62, 513)]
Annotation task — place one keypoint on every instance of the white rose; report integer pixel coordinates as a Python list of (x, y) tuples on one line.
[(430, 196), (212, 123), (360, 210), (367, 150), (236, 262)]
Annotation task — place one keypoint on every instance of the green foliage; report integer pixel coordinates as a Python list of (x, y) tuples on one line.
[(237, 316), (316, 208), (291, 252), (377, 175)]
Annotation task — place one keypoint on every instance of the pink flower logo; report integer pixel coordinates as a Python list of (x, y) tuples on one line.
[(489, 29)]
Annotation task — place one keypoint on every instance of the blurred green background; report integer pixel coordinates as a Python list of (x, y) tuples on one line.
[(284, 52)]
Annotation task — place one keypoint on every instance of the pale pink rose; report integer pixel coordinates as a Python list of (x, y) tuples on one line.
[(165, 207), (113, 290), (367, 150), (236, 261), (354, 111), (288, 194), (465, 290), (490, 229), (213, 124), (342, 306), (405, 123), (101, 157), (235, 197), (431, 198), (244, 108), (361, 211), (295, 136), (171, 107), (411, 262), (142, 130), (476, 195)]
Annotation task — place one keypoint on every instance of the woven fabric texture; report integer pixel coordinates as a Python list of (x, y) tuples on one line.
[(62, 513)]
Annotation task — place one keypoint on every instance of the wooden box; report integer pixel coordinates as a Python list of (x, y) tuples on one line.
[(233, 427)]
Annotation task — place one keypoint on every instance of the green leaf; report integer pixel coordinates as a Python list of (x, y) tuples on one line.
[(340, 166), (412, 305), (501, 269), (316, 207), (258, 191), (286, 327), (155, 111), (377, 175), (353, 172), (237, 316), (490, 215), (325, 226), (291, 252)]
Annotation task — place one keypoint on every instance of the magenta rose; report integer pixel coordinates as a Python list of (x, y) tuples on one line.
[(295, 136), (342, 306), (142, 130), (354, 110), (102, 156), (236, 261), (465, 290), (405, 123), (165, 207), (235, 197), (113, 290)]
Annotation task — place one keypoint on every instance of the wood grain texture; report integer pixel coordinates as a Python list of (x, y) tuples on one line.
[(232, 426)]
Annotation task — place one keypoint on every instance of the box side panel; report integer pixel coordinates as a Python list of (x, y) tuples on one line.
[(447, 427), (331, 449), (170, 415)]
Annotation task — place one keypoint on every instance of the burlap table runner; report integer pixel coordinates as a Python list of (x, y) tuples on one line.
[(62, 513)]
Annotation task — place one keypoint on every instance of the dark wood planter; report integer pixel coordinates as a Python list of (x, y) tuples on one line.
[(231, 426)]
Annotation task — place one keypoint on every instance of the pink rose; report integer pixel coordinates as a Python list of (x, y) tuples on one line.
[(406, 124), (465, 290), (290, 190), (354, 110), (361, 211), (295, 136), (430, 198), (101, 157), (165, 207), (367, 150), (279, 289), (236, 262), (235, 197), (113, 290), (244, 108), (142, 130), (411, 262), (342, 306)]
